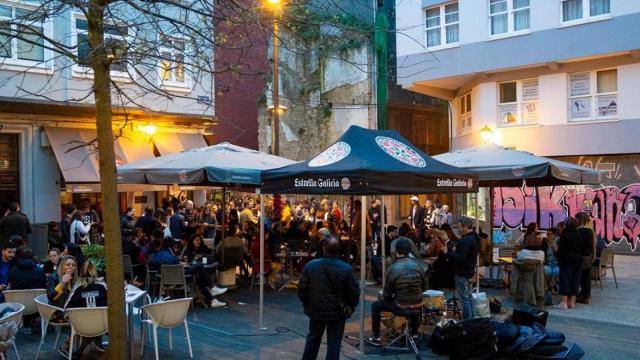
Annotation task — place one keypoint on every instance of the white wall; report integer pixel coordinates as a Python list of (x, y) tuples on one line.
[(629, 91), (409, 27)]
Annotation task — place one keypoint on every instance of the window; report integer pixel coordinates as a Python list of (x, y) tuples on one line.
[(584, 10), (518, 102), (442, 25), (593, 95), (465, 113), (508, 16), (21, 37), (113, 34), (172, 67)]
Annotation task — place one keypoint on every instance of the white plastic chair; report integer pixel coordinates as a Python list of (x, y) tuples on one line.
[(87, 322), (167, 314), (24, 297), (15, 316), (46, 313)]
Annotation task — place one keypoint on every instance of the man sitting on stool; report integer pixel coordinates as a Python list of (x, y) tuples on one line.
[(403, 289)]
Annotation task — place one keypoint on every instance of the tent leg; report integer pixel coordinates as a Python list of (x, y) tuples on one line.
[(383, 223), (261, 268), (363, 265), (478, 257), (224, 215)]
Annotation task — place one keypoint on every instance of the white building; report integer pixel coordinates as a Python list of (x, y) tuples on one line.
[(554, 77), (46, 115)]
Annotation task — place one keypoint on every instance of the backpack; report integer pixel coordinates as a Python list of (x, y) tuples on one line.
[(479, 341), (446, 337)]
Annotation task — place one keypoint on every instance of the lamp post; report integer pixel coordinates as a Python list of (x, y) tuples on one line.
[(275, 124)]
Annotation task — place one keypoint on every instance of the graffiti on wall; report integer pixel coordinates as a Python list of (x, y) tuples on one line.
[(615, 211)]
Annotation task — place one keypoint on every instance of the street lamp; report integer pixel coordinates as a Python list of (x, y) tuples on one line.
[(275, 124), (486, 134)]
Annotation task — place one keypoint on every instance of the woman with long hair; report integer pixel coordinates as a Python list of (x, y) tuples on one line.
[(61, 284)]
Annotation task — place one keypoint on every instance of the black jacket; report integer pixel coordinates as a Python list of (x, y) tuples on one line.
[(15, 223), (586, 245), (406, 280), (417, 221), (147, 223), (466, 255), (324, 283), (569, 248), (27, 275)]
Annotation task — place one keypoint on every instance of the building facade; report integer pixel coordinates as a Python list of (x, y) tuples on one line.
[(47, 115), (558, 78)]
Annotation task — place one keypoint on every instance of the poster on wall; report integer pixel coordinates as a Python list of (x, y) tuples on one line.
[(529, 89), (580, 108), (508, 114), (579, 84), (607, 105), (530, 112)]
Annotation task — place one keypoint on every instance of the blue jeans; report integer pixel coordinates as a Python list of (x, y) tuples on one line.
[(463, 290), (335, 331), (551, 273)]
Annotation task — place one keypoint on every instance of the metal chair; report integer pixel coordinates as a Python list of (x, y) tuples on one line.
[(411, 316), (15, 316), (172, 278), (26, 298), (606, 262), (167, 314), (87, 322), (46, 313), (503, 266)]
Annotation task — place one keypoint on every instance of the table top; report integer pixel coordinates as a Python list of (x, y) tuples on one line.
[(506, 259)]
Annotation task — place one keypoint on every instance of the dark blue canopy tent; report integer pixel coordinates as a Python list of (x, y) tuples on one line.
[(368, 162)]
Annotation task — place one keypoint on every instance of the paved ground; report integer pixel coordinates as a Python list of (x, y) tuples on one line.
[(609, 328)]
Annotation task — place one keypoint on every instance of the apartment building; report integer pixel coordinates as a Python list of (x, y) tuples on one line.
[(558, 78), (47, 112)]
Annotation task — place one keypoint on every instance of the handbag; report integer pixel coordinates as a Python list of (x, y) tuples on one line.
[(80, 238), (446, 337), (345, 309)]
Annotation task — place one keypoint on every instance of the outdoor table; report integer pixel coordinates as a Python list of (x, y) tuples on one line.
[(132, 295), (508, 260)]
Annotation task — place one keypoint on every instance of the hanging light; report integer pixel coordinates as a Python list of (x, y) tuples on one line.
[(486, 134)]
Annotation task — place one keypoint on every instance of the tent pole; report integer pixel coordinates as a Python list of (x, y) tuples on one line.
[(383, 239), (224, 215), (363, 265), (478, 257), (261, 268)]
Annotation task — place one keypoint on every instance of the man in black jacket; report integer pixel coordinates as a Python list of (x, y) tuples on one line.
[(326, 287), (26, 274), (416, 219), (147, 222), (406, 280), (464, 257), (14, 223)]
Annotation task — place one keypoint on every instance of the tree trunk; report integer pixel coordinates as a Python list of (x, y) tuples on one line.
[(109, 196)]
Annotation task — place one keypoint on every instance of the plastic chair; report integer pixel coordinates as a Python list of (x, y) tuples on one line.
[(127, 265), (15, 316), (46, 312), (172, 277), (152, 281), (87, 322), (26, 298), (503, 266), (606, 262), (167, 314)]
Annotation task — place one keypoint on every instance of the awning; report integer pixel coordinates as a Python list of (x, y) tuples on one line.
[(95, 188), (77, 156), (172, 143)]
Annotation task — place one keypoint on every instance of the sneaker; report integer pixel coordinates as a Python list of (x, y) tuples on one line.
[(215, 303), (215, 291), (64, 352), (375, 341)]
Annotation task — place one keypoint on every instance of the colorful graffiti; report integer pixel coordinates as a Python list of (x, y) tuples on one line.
[(615, 211)]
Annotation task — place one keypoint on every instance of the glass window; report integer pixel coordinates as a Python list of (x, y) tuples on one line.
[(30, 45), (607, 81), (508, 92), (114, 34), (571, 10), (599, 7), (172, 67), (593, 96), (442, 25), (506, 16)]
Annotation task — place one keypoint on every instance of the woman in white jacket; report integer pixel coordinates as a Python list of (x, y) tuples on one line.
[(78, 231)]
